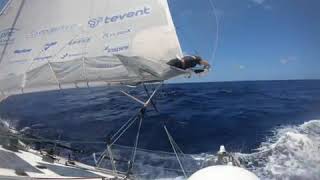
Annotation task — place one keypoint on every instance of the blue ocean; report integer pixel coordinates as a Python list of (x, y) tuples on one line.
[(272, 126)]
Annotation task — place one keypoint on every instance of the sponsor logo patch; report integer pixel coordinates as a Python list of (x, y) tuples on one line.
[(22, 51), (42, 58), (7, 36), (108, 35), (53, 30), (79, 41), (115, 50), (119, 17), (68, 55), (49, 45)]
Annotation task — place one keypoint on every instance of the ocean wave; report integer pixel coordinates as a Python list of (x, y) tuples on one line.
[(7, 123), (293, 152)]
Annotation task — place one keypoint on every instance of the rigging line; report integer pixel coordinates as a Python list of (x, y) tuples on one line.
[(145, 150), (49, 140), (75, 142), (6, 5), (123, 131), (178, 148), (175, 152), (82, 142), (153, 94), (148, 94), (11, 29), (212, 5), (132, 97), (134, 152), (162, 168), (102, 156), (125, 124), (122, 127), (137, 114), (114, 169)]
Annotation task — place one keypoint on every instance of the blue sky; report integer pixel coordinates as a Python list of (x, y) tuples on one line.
[(258, 39)]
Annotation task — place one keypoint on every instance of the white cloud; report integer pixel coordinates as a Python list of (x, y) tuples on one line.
[(242, 67), (258, 1), (284, 61), (267, 7), (288, 59), (261, 3)]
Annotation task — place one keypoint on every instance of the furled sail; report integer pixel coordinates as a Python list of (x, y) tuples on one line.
[(59, 44)]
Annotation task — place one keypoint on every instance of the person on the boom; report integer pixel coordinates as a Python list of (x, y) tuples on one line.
[(189, 62)]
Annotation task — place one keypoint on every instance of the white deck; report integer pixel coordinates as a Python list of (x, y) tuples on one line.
[(35, 168)]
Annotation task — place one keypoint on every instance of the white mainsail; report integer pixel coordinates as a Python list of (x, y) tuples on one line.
[(59, 44)]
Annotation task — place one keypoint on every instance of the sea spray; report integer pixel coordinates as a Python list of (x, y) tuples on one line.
[(292, 153)]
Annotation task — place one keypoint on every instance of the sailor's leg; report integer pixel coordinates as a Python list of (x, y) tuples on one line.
[(176, 63)]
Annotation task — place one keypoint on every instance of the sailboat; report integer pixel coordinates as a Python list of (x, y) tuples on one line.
[(55, 45)]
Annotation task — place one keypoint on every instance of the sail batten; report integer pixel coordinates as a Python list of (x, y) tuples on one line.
[(57, 44)]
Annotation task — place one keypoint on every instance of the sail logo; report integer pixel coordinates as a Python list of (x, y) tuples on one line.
[(108, 35), (79, 41), (114, 50), (42, 58), (22, 51), (49, 45), (67, 55), (94, 22), (52, 30), (7, 36), (64, 56), (107, 66)]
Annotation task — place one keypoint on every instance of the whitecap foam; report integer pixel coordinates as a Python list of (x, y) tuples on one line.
[(292, 153), (6, 124)]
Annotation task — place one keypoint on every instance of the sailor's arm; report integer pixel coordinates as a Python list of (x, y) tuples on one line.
[(205, 64)]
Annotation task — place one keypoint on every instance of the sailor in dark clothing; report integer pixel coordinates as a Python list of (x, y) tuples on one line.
[(189, 62)]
